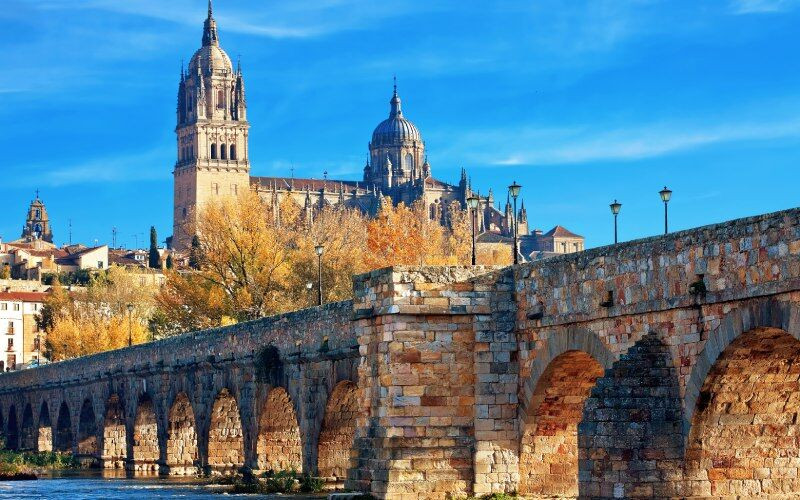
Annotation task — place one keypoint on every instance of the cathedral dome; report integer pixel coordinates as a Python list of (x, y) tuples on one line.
[(210, 57), (395, 129)]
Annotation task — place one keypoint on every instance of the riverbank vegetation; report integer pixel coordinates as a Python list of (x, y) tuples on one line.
[(28, 464)]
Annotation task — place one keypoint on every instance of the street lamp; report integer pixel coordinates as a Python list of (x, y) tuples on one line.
[(319, 249), (130, 324), (472, 203), (615, 210), (513, 190), (666, 194)]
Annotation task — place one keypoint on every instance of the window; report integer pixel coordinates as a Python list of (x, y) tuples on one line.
[(220, 99), (409, 163), (4, 306), (233, 151), (16, 306), (215, 188), (10, 327), (223, 149), (99, 264), (36, 344), (563, 248), (38, 213), (213, 151), (10, 345), (234, 189), (12, 361)]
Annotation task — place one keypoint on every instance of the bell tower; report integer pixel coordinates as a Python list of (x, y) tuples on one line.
[(212, 130)]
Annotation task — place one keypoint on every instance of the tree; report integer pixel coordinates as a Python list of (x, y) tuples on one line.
[(5, 273), (195, 256), (154, 259), (169, 264), (96, 319)]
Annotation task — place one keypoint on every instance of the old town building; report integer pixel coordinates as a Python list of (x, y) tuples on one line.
[(213, 158), (22, 341)]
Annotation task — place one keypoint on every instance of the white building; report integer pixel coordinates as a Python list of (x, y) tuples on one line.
[(22, 342)]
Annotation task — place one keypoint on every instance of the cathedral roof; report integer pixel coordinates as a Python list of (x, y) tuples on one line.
[(210, 56), (395, 129)]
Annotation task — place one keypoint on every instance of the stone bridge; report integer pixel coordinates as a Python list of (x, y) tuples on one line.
[(663, 367)]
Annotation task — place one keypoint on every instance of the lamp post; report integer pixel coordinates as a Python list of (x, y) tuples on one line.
[(513, 190), (615, 210), (472, 203), (130, 324), (666, 194), (319, 249)]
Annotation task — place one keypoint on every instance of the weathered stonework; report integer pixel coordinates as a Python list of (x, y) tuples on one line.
[(663, 367)]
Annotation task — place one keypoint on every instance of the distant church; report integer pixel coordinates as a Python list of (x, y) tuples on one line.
[(213, 159)]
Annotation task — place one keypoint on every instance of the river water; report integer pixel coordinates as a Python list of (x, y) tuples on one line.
[(98, 486)]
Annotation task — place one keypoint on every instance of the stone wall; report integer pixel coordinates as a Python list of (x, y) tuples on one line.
[(661, 367)]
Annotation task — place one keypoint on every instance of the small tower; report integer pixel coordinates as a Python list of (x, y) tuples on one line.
[(37, 224), (522, 220)]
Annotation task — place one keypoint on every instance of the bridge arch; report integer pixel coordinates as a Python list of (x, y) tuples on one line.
[(561, 378), (88, 444), (44, 438), (337, 433), (12, 429), (742, 429), (225, 434), (63, 435), (144, 445), (115, 448), (182, 446), (279, 445), (27, 430)]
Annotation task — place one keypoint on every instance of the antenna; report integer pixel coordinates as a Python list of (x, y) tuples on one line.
[(114, 237), (70, 231)]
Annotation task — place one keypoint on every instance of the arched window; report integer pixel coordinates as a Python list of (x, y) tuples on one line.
[(408, 165), (223, 151), (213, 151), (220, 99), (233, 151)]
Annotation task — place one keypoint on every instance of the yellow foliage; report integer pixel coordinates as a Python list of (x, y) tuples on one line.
[(97, 319), (257, 260)]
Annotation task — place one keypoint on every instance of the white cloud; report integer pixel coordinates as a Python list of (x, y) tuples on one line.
[(147, 165), (762, 6), (543, 146)]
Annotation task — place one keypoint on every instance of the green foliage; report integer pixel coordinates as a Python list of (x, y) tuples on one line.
[(195, 253), (278, 482), (154, 260), (24, 464), (81, 277), (5, 272), (170, 264)]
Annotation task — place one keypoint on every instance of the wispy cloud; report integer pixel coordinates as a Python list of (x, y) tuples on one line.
[(762, 6), (147, 165), (543, 146)]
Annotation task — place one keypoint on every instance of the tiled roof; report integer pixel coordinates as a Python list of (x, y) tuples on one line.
[(562, 232), (492, 237), (24, 296)]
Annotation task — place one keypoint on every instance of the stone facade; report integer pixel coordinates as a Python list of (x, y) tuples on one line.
[(665, 367)]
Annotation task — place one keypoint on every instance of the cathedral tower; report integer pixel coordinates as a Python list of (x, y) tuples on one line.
[(213, 157)]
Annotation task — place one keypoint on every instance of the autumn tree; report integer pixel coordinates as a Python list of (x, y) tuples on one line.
[(97, 318)]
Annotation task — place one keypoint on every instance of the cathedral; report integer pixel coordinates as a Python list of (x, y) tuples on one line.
[(213, 158)]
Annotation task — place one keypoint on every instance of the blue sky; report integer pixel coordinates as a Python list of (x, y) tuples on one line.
[(580, 102)]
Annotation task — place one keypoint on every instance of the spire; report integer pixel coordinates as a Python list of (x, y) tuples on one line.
[(395, 102), (210, 28)]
